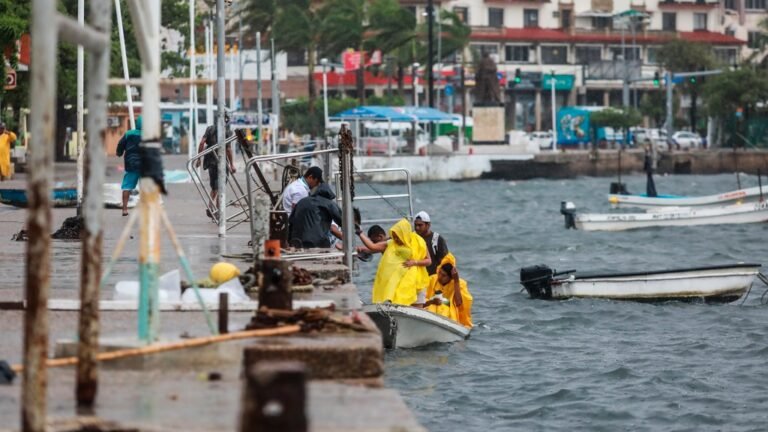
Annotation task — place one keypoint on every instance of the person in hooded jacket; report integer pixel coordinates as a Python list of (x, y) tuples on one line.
[(311, 218), (129, 147)]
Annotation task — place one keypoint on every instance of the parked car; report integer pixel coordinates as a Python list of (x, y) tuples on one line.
[(542, 139), (658, 137), (686, 140)]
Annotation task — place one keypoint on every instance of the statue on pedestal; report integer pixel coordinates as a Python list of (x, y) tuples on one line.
[(487, 83)]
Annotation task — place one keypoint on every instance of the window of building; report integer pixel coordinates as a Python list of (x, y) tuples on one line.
[(554, 54), (601, 23), (462, 13), (730, 4), (517, 53), (588, 54), (753, 39), (566, 16), (653, 55), (632, 52), (530, 17), (482, 49), (669, 21), (699, 21), (755, 4), (726, 56), (495, 17), (297, 58)]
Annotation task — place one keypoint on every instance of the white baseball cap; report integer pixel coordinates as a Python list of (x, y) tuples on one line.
[(424, 216)]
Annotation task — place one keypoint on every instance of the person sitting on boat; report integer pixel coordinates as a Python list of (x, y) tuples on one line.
[(436, 245), (402, 273), (448, 293)]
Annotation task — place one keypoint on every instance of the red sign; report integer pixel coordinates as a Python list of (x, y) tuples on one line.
[(10, 79), (352, 59)]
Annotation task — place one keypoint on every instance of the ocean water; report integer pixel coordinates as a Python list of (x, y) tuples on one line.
[(582, 364)]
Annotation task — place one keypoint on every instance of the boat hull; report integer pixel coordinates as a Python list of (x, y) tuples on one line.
[(409, 327), (735, 214), (67, 197), (738, 196), (716, 284)]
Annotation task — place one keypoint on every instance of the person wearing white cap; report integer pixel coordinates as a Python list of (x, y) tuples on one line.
[(436, 245)]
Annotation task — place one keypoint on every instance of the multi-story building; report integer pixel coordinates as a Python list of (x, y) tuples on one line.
[(579, 40)]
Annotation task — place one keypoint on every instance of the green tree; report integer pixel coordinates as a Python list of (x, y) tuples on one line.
[(744, 90), (614, 118), (683, 56)]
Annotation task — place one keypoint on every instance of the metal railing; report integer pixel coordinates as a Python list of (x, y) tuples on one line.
[(254, 164), (361, 174)]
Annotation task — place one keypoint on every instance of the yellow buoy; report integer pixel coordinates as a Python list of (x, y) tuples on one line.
[(613, 200), (223, 271)]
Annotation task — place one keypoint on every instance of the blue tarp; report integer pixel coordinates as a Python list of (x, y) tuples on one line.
[(374, 113), (426, 114)]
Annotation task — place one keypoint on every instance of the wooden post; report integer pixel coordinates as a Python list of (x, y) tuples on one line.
[(275, 290), (223, 313), (38, 265), (93, 211), (274, 398)]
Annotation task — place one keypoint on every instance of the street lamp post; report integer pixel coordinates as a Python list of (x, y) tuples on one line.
[(324, 62), (554, 112)]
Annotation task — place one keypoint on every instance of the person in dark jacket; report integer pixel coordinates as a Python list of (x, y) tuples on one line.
[(311, 219), (128, 147)]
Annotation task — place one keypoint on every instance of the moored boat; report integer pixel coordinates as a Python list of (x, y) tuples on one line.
[(410, 327), (643, 201), (722, 283), (672, 216)]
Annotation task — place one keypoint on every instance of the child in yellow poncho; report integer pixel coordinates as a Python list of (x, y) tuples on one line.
[(402, 270), (454, 289)]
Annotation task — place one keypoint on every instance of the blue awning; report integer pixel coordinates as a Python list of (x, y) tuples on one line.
[(382, 113), (426, 114)]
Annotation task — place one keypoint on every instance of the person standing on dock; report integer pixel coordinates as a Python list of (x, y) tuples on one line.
[(129, 147), (436, 245), (312, 217), (210, 160), (7, 138)]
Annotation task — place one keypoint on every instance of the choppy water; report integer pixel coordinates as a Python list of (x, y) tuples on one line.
[(584, 364)]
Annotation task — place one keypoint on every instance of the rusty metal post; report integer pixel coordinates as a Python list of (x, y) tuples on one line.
[(149, 260), (259, 223), (93, 213), (346, 147), (275, 398), (223, 313), (275, 290), (39, 179)]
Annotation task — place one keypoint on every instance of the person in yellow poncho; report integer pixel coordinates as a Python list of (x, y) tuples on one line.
[(453, 289), (402, 271), (7, 138)]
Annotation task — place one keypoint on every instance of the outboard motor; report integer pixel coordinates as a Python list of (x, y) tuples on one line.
[(568, 209), (618, 189), (537, 280)]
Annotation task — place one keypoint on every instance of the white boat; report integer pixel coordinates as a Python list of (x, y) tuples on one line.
[(410, 327), (716, 284), (667, 216), (643, 201)]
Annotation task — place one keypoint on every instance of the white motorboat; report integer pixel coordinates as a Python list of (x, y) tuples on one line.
[(643, 201), (410, 327), (668, 216), (716, 284)]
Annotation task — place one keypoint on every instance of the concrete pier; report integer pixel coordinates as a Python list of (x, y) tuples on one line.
[(199, 388)]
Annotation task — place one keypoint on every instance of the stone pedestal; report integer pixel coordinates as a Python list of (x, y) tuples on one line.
[(488, 125)]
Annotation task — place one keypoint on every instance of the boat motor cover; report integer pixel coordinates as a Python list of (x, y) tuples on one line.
[(537, 280)]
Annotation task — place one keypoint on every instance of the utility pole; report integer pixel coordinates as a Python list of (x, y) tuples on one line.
[(259, 108), (80, 109), (554, 113), (192, 132), (430, 55), (275, 99)]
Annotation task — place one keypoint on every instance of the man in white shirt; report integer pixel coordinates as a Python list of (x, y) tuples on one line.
[(299, 189)]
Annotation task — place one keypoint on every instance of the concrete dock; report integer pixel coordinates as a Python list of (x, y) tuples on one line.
[(199, 388)]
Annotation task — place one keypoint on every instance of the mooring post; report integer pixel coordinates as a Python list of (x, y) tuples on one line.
[(149, 260), (259, 224), (93, 213), (274, 398), (38, 266), (275, 290), (223, 313), (346, 147)]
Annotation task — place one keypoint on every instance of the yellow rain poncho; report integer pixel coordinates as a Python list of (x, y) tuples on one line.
[(6, 140), (393, 281), (461, 314)]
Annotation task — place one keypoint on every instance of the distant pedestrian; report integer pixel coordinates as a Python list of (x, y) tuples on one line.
[(211, 161), (436, 244), (7, 138), (129, 147)]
